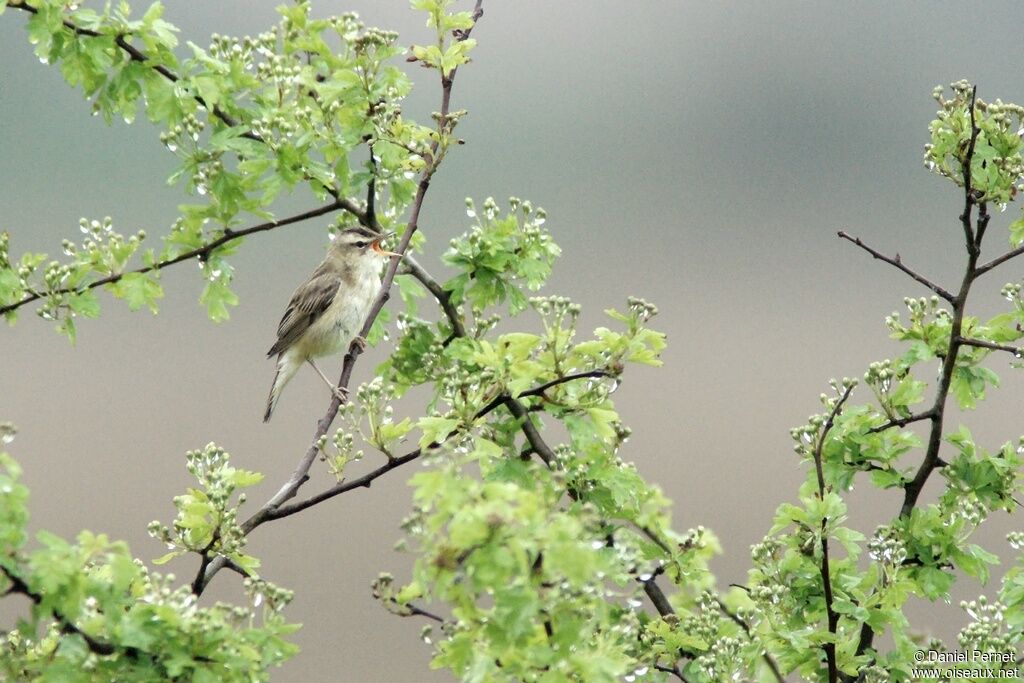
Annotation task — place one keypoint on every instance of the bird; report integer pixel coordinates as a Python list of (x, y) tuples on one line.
[(327, 311)]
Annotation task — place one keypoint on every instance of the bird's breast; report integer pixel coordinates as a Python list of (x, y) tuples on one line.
[(342, 320)]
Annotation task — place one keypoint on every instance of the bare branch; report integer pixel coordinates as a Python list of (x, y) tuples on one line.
[(999, 260), (361, 482), (898, 263), (539, 390)]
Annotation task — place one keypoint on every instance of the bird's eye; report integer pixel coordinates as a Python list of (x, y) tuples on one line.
[(361, 245)]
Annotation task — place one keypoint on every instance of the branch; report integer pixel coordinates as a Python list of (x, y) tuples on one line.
[(539, 390), (826, 577), (913, 488), (443, 296), (916, 485), (671, 670), (362, 482), (657, 596), (536, 441), (904, 421), (66, 625), (544, 451), (898, 263), (999, 260), (973, 245), (207, 558), (1017, 351), (200, 252)]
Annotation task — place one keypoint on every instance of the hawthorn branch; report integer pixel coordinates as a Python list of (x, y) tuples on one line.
[(301, 473), (546, 454), (657, 596), (202, 252), (367, 479), (534, 438), (95, 645), (972, 239), (826, 576), (539, 390), (897, 262)]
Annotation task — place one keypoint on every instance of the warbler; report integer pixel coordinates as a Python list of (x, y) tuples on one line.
[(327, 311)]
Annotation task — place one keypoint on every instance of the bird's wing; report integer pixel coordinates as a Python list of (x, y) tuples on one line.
[(307, 305)]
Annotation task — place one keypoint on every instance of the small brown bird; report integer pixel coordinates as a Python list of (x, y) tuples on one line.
[(327, 311)]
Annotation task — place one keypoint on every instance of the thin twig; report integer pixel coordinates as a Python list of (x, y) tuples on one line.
[(898, 263), (410, 610), (1017, 351), (999, 260), (903, 421), (539, 390)]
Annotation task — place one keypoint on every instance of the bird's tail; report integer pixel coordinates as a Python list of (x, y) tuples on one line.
[(286, 369)]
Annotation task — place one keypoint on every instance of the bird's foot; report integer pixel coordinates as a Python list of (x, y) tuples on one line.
[(340, 393), (360, 342)]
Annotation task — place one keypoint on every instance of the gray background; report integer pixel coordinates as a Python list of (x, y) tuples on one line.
[(701, 155)]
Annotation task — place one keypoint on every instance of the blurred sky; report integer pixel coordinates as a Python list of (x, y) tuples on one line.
[(701, 155)]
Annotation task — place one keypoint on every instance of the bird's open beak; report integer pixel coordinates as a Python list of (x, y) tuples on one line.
[(376, 246)]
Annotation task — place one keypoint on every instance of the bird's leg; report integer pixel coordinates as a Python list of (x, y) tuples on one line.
[(340, 393)]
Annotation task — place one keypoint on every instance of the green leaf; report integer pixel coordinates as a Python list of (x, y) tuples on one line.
[(217, 297), (138, 290), (1017, 232), (164, 559), (435, 429), (86, 304)]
